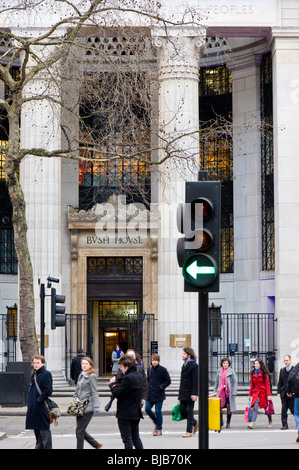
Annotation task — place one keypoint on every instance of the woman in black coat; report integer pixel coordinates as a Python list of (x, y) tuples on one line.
[(37, 417), (129, 395), (188, 392)]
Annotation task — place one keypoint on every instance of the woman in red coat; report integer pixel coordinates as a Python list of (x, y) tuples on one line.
[(260, 390)]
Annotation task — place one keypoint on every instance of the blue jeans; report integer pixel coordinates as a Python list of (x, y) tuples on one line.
[(157, 417), (296, 412)]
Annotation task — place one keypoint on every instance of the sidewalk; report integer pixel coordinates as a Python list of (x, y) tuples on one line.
[(171, 400)]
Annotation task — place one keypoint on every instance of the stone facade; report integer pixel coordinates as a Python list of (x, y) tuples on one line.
[(61, 238)]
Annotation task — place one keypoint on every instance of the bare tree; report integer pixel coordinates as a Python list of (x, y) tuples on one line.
[(113, 108)]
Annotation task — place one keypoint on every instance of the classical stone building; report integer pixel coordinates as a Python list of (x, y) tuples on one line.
[(242, 65)]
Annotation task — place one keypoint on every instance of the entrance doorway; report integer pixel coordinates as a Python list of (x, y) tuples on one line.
[(111, 337), (111, 317)]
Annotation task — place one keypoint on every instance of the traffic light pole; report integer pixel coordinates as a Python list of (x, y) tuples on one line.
[(42, 319), (203, 364)]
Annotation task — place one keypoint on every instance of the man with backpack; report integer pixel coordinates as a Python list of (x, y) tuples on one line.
[(293, 391)]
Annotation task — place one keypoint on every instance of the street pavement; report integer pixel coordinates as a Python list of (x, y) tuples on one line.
[(104, 428)]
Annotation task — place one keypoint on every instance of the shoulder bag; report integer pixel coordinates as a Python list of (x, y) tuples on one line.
[(77, 407), (53, 408)]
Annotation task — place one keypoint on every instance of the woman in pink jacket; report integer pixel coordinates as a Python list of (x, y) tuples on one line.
[(260, 390)]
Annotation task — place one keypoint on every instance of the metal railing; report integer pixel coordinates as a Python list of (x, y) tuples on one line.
[(242, 337), (8, 339)]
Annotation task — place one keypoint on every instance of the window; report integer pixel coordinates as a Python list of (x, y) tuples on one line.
[(215, 108), (115, 266), (8, 257), (114, 126), (267, 190)]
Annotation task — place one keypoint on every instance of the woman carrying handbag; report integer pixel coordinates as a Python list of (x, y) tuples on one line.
[(87, 387), (260, 391)]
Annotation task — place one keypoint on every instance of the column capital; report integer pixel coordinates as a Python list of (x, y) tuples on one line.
[(179, 52)]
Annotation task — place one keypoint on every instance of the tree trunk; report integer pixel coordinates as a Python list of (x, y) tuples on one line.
[(26, 310)]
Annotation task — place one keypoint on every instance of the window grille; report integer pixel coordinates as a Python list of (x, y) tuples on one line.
[(267, 182), (215, 105)]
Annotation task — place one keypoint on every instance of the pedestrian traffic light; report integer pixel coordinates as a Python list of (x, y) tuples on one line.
[(199, 220), (57, 311)]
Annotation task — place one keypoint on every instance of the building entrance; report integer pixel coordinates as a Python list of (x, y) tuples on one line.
[(115, 291), (111, 337)]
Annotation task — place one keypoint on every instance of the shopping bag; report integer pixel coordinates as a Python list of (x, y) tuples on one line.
[(214, 414), (248, 413), (269, 409), (176, 413)]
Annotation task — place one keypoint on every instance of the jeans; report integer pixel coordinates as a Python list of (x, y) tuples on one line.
[(81, 434), (187, 407), (296, 412), (256, 410), (129, 431), (156, 417), (43, 439)]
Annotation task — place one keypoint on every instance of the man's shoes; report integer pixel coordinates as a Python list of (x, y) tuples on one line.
[(188, 434), (195, 428), (285, 427), (251, 425), (297, 440), (157, 433), (99, 445)]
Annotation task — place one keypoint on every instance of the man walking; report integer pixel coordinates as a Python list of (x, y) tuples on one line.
[(37, 417), (129, 395), (158, 380), (293, 391), (188, 392), (287, 403)]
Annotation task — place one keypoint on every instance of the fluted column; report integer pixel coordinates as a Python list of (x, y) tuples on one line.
[(41, 182), (178, 71)]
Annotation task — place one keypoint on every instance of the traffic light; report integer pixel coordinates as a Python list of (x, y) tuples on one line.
[(57, 311), (199, 220)]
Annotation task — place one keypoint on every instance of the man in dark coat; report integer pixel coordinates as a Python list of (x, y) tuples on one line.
[(287, 403), (129, 395), (76, 368), (188, 392), (37, 417), (158, 380)]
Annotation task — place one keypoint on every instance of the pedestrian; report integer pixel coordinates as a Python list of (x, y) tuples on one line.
[(158, 379), (128, 393), (37, 416), (140, 368), (87, 387), (293, 391), (287, 403), (226, 389), (76, 368), (116, 354), (188, 391), (260, 391)]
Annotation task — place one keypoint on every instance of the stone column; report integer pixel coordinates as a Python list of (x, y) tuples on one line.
[(41, 182), (178, 59), (247, 182), (285, 57)]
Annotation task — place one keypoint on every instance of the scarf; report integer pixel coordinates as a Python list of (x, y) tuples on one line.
[(223, 392), (118, 353)]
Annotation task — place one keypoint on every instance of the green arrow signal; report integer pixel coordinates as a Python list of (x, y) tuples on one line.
[(193, 270)]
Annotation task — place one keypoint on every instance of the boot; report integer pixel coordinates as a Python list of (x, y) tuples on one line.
[(228, 418)]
